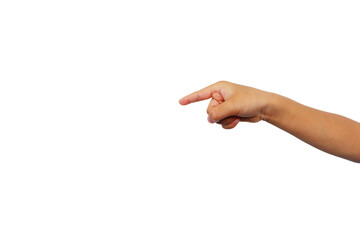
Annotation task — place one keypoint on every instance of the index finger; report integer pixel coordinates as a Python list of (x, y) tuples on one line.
[(200, 95)]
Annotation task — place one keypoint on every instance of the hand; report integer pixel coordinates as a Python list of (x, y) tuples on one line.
[(231, 103)]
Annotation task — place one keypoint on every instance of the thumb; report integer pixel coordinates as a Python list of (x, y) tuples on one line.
[(221, 111)]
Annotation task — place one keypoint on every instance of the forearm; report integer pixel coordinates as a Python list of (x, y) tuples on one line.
[(328, 132)]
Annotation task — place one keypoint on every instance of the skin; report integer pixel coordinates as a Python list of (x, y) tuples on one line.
[(233, 103)]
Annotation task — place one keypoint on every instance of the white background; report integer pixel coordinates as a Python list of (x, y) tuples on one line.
[(94, 145)]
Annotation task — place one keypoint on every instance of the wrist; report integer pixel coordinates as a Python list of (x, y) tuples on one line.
[(271, 103)]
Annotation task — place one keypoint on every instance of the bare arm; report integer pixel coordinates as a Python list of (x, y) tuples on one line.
[(328, 132), (232, 103)]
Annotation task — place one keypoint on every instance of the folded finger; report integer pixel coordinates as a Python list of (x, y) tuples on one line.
[(232, 124), (227, 120)]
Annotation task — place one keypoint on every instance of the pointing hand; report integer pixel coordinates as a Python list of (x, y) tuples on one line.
[(231, 103)]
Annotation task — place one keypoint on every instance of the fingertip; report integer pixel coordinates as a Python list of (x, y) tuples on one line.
[(183, 101), (235, 123)]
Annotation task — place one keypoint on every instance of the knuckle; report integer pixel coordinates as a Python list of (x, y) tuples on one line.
[(208, 110), (221, 82), (213, 115)]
